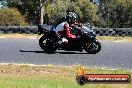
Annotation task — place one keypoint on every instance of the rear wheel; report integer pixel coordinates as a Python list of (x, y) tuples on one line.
[(92, 47), (47, 44)]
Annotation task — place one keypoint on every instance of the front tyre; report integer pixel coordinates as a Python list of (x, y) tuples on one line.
[(47, 44), (92, 47)]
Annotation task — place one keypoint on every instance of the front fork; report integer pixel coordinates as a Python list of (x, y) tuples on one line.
[(87, 42)]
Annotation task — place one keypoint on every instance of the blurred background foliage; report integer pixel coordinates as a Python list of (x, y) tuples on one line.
[(103, 13), (12, 17)]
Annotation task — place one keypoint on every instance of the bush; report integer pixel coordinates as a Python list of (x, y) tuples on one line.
[(55, 11), (86, 11), (11, 17)]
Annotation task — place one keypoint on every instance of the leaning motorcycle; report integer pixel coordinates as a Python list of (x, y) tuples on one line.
[(86, 40)]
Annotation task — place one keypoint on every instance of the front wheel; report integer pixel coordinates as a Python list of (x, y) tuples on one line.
[(92, 47), (47, 44)]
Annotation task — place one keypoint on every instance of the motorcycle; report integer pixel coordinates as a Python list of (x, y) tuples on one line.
[(86, 40)]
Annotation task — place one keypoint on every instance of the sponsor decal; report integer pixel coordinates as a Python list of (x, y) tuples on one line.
[(83, 78)]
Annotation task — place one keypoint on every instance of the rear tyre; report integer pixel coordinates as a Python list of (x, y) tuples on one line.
[(47, 44), (92, 47)]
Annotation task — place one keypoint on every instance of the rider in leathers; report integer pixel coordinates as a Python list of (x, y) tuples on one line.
[(63, 27)]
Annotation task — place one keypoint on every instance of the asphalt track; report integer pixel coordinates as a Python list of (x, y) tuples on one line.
[(113, 54)]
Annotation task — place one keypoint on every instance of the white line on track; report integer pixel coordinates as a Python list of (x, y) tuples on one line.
[(20, 38), (118, 41), (2, 37), (32, 38), (121, 41)]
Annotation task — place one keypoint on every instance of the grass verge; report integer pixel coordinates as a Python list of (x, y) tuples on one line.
[(16, 35), (113, 38), (49, 76)]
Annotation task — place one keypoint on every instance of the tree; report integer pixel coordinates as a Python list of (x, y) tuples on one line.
[(116, 13), (86, 10), (29, 8), (55, 11), (12, 17)]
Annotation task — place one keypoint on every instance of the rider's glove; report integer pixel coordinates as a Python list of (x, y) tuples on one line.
[(74, 36)]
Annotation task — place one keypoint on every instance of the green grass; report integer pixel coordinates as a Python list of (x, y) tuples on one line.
[(50, 82), (23, 76)]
